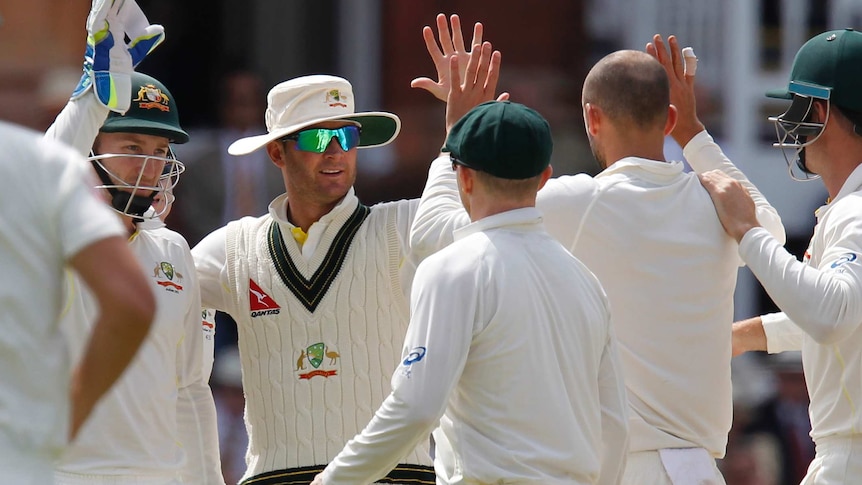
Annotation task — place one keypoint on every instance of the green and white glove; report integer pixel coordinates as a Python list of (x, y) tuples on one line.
[(108, 60)]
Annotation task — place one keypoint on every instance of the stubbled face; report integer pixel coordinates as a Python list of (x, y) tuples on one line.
[(319, 178), (126, 170)]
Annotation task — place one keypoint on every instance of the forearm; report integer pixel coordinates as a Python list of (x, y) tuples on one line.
[(826, 305), (79, 123), (748, 335), (393, 432)]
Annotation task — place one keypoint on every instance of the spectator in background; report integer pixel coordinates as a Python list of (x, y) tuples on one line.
[(220, 187), (784, 417)]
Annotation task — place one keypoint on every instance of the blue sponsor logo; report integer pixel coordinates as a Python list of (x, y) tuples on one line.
[(415, 355), (845, 258)]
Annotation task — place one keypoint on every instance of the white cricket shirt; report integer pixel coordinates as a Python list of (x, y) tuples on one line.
[(158, 420), (822, 302), (650, 233), (49, 213), (510, 342)]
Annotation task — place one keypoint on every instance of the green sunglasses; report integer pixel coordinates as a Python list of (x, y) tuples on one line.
[(317, 139)]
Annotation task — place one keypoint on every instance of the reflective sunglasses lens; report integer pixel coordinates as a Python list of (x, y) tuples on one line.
[(348, 137), (317, 139)]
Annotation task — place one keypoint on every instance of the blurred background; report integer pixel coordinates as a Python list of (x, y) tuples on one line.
[(222, 56)]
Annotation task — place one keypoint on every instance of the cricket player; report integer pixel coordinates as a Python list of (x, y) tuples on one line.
[(649, 232), (158, 423), (52, 218), (316, 286), (821, 296), (509, 340)]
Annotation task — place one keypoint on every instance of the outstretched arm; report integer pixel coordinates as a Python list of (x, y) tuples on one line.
[(699, 149), (469, 78), (824, 301), (105, 84)]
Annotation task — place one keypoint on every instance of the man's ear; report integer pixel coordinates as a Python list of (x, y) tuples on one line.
[(819, 111), (465, 179), (672, 116), (546, 175), (592, 118), (275, 150)]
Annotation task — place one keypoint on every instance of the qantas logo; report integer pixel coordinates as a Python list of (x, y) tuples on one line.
[(259, 302)]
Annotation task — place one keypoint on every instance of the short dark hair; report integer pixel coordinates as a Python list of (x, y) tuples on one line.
[(629, 87)]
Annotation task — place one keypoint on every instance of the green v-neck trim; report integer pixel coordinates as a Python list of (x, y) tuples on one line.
[(311, 292)]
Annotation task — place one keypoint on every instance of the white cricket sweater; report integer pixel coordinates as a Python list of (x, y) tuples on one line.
[(317, 361)]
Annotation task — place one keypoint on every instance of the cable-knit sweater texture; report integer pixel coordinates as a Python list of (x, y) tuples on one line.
[(313, 379)]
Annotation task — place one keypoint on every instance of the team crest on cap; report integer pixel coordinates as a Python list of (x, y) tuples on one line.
[(316, 354), (151, 97), (165, 273), (335, 98)]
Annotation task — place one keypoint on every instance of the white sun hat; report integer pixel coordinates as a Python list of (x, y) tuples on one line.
[(309, 100)]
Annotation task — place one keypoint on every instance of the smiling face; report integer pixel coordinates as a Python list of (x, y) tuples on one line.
[(315, 180)]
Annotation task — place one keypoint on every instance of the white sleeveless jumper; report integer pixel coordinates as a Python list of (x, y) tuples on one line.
[(319, 339)]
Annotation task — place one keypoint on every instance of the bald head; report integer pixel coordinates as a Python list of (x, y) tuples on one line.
[(631, 88)]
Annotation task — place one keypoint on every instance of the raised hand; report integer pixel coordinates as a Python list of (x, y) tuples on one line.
[(681, 87), (144, 36), (476, 85), (108, 60), (451, 44)]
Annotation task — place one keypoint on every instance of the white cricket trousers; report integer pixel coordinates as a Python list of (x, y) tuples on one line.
[(646, 468), (838, 462), (62, 478)]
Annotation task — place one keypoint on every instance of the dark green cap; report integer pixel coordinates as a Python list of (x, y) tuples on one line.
[(829, 66), (504, 139), (153, 112)]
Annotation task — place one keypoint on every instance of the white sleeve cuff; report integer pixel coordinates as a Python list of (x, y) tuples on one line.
[(781, 333)]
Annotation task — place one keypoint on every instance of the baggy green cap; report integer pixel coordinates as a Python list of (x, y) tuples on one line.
[(153, 112), (828, 66), (504, 139)]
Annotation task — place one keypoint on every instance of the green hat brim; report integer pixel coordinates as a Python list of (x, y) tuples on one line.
[(376, 130)]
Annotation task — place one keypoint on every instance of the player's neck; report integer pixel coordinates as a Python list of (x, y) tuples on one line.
[(304, 214)]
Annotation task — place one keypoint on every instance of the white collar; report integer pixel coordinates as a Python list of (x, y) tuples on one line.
[(525, 219)]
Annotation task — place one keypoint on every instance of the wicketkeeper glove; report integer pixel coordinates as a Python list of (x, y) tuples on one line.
[(108, 60)]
